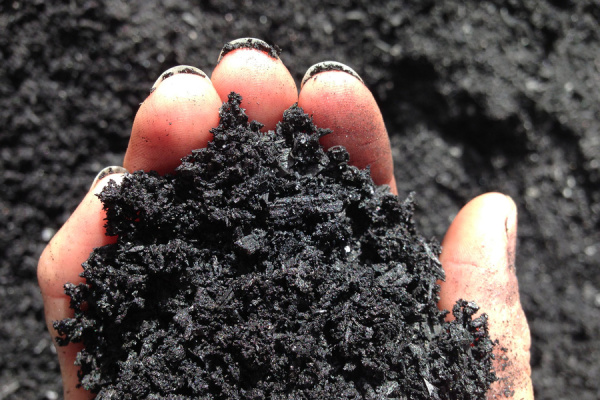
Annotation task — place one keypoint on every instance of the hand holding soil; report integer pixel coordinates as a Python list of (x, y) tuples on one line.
[(478, 250)]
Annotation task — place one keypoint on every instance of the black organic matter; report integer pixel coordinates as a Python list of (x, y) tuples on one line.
[(267, 267)]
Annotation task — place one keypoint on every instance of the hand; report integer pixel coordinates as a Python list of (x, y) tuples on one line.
[(478, 250)]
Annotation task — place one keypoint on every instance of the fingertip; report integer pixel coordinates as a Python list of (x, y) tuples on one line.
[(478, 259), (476, 252), (175, 119), (252, 68), (179, 69), (111, 170), (486, 224), (337, 99), (249, 43), (328, 66)]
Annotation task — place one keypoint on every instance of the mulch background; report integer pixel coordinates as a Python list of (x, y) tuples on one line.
[(477, 96)]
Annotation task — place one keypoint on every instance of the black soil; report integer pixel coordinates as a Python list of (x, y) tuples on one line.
[(476, 95), (269, 268)]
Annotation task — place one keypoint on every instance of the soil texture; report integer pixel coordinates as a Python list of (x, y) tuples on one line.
[(477, 96), (266, 267)]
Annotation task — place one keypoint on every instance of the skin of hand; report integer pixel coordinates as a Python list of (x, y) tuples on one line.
[(478, 249)]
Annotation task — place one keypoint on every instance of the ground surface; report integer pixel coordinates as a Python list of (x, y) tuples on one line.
[(477, 96)]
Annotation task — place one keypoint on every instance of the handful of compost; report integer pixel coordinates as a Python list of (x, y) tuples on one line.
[(267, 267)]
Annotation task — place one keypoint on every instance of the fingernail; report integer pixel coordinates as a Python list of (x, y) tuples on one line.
[(180, 69), (328, 66), (106, 172), (250, 43), (510, 226)]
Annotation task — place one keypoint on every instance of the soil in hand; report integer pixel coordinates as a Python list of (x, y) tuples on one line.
[(267, 267)]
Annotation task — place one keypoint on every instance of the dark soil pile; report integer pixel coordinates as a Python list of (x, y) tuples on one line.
[(269, 268)]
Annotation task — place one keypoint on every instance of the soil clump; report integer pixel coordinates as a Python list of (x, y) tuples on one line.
[(267, 267)]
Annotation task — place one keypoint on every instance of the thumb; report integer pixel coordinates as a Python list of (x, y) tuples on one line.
[(478, 258)]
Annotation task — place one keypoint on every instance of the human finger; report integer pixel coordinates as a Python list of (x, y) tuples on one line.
[(337, 99), (176, 118), (478, 258), (60, 263), (253, 69)]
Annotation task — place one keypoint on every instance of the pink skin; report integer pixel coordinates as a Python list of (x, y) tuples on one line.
[(478, 253)]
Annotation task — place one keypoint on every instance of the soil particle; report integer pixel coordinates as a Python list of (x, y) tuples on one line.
[(266, 267)]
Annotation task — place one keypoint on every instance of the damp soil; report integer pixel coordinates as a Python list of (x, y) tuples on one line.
[(266, 267), (477, 96)]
